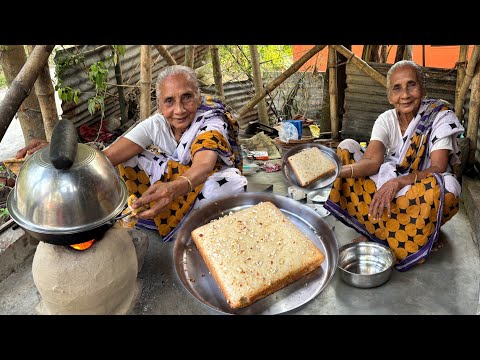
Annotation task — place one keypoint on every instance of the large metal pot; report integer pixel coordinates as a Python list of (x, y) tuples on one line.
[(67, 193)]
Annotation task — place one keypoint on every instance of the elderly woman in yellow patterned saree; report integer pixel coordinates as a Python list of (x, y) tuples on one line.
[(182, 156), (401, 189), (177, 159)]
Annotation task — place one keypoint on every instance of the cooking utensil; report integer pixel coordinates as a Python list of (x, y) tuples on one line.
[(321, 183), (195, 276), (366, 264), (67, 193)]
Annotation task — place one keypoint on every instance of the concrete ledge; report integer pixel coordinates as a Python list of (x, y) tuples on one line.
[(471, 199), (15, 246)]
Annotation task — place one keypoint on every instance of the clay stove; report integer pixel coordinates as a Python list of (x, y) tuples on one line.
[(101, 279)]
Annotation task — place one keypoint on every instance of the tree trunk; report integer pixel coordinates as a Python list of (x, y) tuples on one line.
[(145, 82), (466, 81), (46, 98), (362, 65), (280, 79), (19, 90), (462, 64), (383, 54), (400, 53), (189, 55), (257, 81), (217, 71), (12, 58), (473, 115), (121, 95), (332, 90), (162, 50)]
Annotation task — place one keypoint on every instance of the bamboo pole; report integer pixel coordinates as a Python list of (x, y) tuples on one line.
[(469, 72), (189, 56), (462, 64), (408, 52), (362, 65), (257, 81), (46, 98), (332, 89), (280, 79), (217, 71), (145, 82), (22, 85), (473, 115), (162, 50), (121, 94)]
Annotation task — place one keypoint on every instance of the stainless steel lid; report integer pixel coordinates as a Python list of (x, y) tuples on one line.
[(83, 196)]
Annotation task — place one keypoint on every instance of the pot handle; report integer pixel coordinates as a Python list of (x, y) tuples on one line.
[(63, 145)]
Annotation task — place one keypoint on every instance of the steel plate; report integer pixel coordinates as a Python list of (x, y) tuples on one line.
[(321, 183), (194, 275)]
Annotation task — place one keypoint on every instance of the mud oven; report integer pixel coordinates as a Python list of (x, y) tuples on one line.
[(96, 277)]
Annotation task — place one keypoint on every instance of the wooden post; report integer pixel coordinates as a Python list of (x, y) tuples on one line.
[(362, 65), (121, 94), (280, 79), (462, 64), (145, 82), (189, 56), (46, 98), (217, 71), (407, 54), (257, 81), (473, 116), (162, 50), (22, 85), (332, 89), (466, 81)]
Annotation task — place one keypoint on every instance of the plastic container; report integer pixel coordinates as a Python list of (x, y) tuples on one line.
[(298, 125)]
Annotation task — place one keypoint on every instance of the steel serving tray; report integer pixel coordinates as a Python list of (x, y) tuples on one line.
[(194, 275), (320, 183)]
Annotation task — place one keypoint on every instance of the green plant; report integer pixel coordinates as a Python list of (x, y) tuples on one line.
[(3, 81), (4, 212), (235, 59), (97, 73)]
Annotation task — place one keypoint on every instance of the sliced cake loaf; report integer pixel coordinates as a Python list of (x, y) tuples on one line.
[(255, 252), (310, 164)]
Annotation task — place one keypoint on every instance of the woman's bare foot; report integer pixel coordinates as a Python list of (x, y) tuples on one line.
[(359, 239), (440, 243)]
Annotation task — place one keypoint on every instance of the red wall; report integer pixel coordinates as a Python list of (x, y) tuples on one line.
[(444, 56)]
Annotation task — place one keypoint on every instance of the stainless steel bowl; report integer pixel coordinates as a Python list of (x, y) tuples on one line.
[(51, 201), (365, 264)]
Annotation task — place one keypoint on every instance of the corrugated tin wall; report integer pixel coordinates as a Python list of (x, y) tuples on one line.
[(237, 94), (76, 78), (365, 98), (308, 98)]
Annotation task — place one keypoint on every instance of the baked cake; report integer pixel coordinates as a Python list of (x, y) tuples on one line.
[(255, 252), (310, 165)]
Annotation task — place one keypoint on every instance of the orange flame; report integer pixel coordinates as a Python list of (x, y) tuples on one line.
[(84, 245)]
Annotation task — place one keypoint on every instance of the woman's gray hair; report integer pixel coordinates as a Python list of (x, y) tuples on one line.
[(188, 72), (411, 64)]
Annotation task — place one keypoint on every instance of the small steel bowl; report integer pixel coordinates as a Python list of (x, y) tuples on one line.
[(365, 264)]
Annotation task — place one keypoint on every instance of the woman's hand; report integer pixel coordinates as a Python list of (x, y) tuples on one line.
[(162, 193), (35, 145), (383, 198)]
